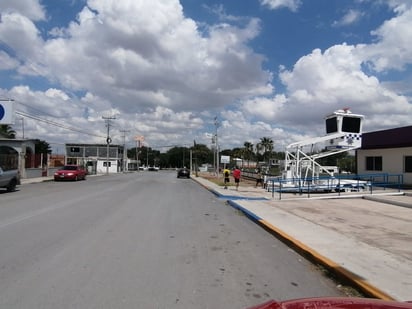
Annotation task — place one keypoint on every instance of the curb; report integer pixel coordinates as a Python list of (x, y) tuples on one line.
[(381, 200)]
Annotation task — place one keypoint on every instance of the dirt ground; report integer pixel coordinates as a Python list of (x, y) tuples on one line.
[(220, 181)]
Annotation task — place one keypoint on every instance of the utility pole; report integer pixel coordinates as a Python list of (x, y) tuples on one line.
[(124, 150), (108, 140), (217, 147), (139, 141)]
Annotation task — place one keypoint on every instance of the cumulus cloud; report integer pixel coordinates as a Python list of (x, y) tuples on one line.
[(32, 9), (321, 82), (7, 62), (153, 59), (292, 5), (21, 35), (162, 77), (393, 49), (152, 55)]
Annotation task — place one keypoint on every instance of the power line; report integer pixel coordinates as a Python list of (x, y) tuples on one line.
[(56, 124)]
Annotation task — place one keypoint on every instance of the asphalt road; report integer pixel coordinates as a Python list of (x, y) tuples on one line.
[(141, 240)]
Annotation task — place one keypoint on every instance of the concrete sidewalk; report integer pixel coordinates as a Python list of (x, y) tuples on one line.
[(25, 181), (365, 239)]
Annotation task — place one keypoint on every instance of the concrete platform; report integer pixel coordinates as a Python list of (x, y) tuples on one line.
[(363, 238)]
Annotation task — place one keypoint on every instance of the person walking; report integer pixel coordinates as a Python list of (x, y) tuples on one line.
[(226, 175), (259, 180), (236, 175)]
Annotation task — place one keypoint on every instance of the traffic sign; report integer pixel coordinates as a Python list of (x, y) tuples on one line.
[(6, 112), (225, 159)]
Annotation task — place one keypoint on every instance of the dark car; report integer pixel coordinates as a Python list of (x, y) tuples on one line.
[(70, 172), (183, 172)]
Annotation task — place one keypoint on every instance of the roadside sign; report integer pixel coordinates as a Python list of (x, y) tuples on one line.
[(6, 112), (225, 159)]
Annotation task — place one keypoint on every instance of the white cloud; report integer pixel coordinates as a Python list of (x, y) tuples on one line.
[(323, 82), (32, 9), (21, 35), (150, 56), (351, 17), (7, 62), (393, 48), (162, 77), (293, 5)]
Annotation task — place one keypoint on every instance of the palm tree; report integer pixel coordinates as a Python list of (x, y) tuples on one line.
[(266, 144), (7, 131), (248, 151)]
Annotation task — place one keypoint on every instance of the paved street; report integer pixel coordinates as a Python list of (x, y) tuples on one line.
[(141, 240)]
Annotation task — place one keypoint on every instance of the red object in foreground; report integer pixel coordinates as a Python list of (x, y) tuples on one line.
[(334, 302), (70, 172)]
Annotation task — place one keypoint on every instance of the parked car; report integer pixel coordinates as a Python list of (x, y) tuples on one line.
[(9, 179), (183, 172), (70, 172)]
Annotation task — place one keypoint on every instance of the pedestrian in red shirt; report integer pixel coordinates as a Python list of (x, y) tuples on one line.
[(236, 176)]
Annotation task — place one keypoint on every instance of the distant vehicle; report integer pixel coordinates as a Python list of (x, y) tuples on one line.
[(334, 302), (183, 172), (9, 179), (153, 168), (70, 172)]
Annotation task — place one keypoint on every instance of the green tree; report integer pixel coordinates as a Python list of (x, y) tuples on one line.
[(7, 131), (202, 154), (42, 147), (265, 145), (178, 157), (248, 151)]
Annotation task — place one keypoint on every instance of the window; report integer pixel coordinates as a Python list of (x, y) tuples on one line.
[(373, 163), (408, 164), (331, 125), (105, 164), (351, 124)]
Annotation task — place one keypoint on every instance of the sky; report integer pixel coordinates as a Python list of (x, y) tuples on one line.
[(176, 72)]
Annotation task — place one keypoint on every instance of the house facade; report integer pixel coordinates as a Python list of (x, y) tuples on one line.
[(387, 151), (14, 153), (95, 157)]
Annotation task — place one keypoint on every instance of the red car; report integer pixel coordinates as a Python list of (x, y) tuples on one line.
[(334, 302), (70, 172)]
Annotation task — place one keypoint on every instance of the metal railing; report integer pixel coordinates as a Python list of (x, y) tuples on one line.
[(334, 184)]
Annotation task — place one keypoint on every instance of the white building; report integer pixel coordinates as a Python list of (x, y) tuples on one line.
[(387, 151), (94, 157)]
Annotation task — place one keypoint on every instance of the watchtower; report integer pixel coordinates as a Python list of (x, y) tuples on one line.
[(347, 126)]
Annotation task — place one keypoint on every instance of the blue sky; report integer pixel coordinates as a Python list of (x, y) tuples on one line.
[(166, 68)]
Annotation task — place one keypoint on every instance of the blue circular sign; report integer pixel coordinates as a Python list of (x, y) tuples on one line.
[(2, 112)]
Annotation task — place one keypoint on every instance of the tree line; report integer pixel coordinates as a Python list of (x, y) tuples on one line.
[(201, 154)]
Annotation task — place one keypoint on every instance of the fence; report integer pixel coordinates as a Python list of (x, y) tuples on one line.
[(341, 184)]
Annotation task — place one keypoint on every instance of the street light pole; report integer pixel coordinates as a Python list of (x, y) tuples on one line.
[(108, 141)]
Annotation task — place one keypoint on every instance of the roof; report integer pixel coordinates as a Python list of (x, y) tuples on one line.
[(391, 138), (91, 145)]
